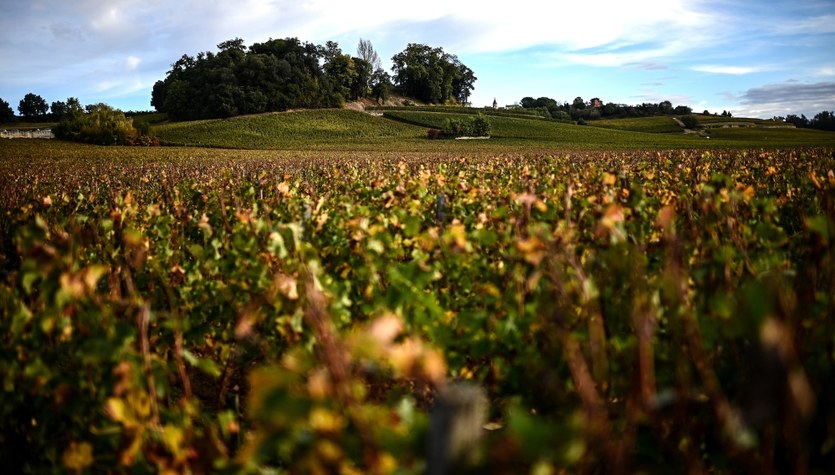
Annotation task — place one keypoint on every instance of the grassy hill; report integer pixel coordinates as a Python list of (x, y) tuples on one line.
[(405, 128), (286, 130), (653, 125)]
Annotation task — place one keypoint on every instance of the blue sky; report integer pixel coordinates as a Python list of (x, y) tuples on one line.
[(754, 58)]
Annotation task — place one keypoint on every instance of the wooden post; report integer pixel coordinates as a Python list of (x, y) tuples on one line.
[(456, 427)]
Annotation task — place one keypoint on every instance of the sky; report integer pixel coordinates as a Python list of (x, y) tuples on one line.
[(754, 58)]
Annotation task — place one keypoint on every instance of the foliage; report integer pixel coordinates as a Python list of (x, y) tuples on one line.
[(272, 76), (32, 107), (6, 112), (690, 121), (579, 109), (431, 75), (240, 312), (824, 120), (69, 109), (471, 126), (381, 86), (102, 125)]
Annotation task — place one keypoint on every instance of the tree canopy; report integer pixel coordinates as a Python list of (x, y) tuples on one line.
[(275, 75), (431, 75), (32, 106), (6, 112), (596, 109)]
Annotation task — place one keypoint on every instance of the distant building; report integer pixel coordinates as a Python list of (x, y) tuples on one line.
[(495, 104), (596, 102)]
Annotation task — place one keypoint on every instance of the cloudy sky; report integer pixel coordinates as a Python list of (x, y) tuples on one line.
[(751, 57)]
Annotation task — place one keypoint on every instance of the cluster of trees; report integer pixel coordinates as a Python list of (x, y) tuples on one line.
[(824, 120), (34, 108), (579, 109), (431, 75), (276, 75), (282, 74), (94, 123), (101, 124)]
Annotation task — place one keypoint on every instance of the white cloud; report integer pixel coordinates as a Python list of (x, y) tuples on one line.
[(132, 63), (806, 26), (715, 69)]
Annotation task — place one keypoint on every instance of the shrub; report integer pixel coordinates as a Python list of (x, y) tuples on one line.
[(104, 125), (474, 126), (481, 126), (690, 121), (433, 134)]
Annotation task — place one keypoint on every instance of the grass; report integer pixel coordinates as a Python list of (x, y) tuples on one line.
[(655, 125), (641, 133), (286, 130), (404, 130), (774, 137)]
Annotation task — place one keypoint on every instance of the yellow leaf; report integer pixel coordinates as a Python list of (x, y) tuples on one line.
[(323, 420), (459, 235), (77, 456), (92, 275), (609, 179), (172, 437), (749, 193), (115, 408)]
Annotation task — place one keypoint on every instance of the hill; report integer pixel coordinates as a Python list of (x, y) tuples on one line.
[(404, 128)]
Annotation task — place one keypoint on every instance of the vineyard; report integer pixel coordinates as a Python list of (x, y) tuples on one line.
[(177, 310)]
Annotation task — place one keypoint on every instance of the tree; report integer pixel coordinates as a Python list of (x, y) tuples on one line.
[(58, 109), (33, 106), (682, 110), (463, 81), (365, 51), (431, 75), (381, 85), (6, 112), (801, 121), (74, 106), (824, 120)]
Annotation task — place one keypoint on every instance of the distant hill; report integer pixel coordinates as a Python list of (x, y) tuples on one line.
[(405, 127)]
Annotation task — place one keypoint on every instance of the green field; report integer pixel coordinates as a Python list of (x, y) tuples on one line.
[(287, 130), (655, 125), (404, 129)]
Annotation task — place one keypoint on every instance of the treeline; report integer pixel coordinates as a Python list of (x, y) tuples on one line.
[(282, 74), (824, 120), (34, 108), (594, 109)]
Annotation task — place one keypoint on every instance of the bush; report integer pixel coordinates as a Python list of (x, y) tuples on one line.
[(481, 126), (690, 121), (104, 125), (474, 126), (433, 134)]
